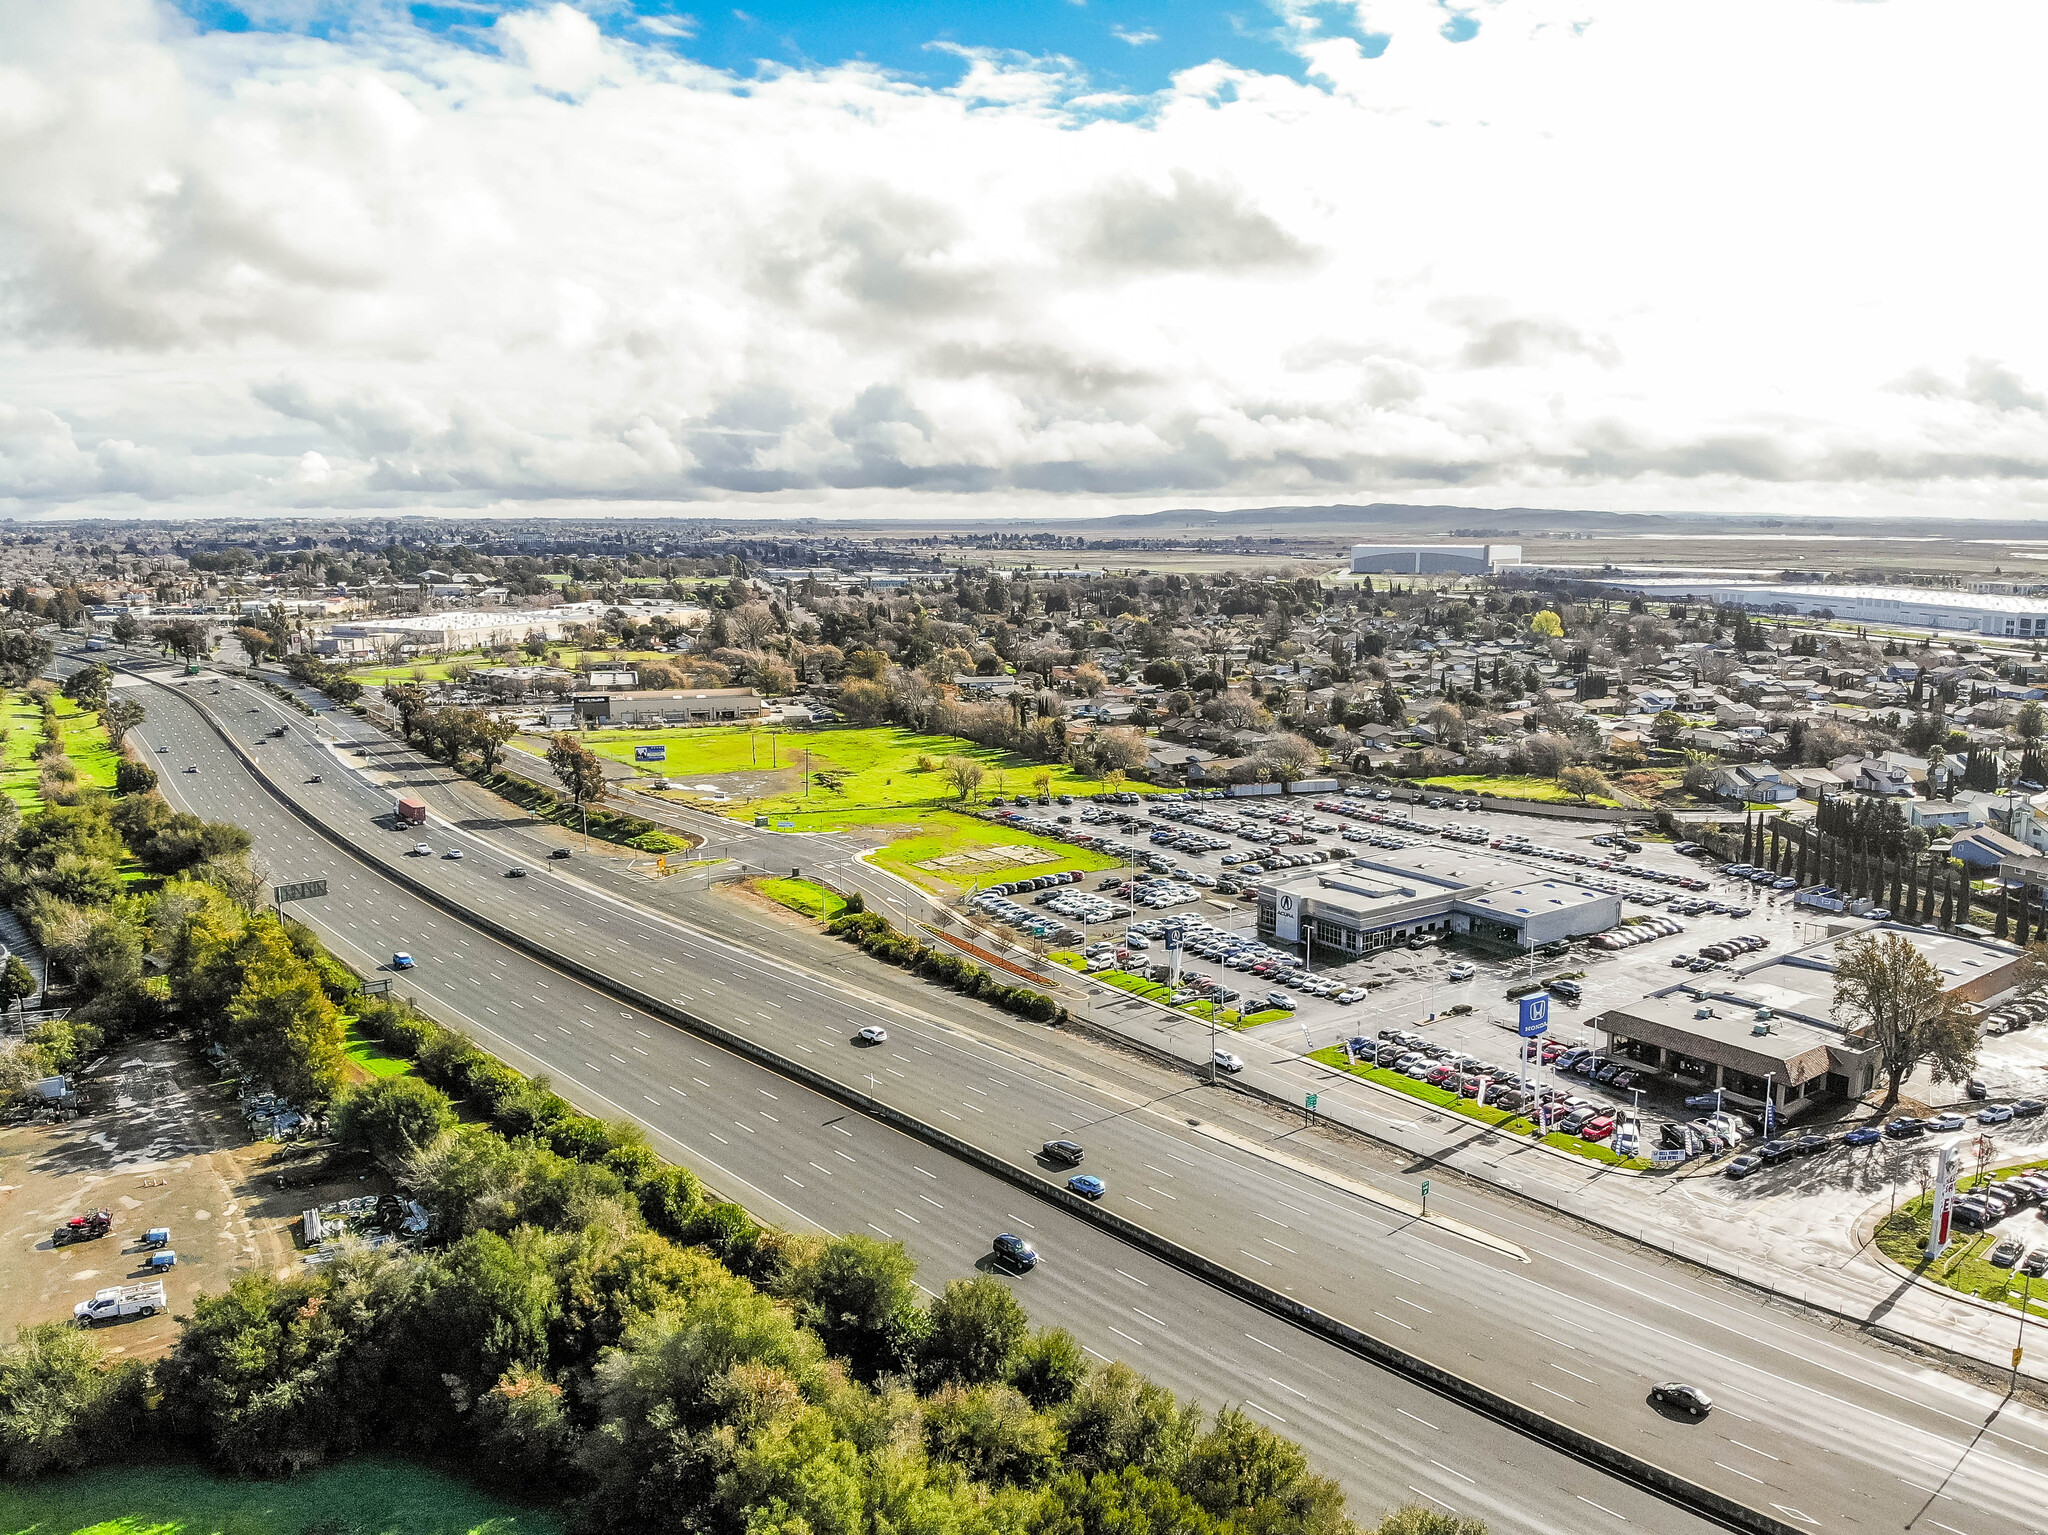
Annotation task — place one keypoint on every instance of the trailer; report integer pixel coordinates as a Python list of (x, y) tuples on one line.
[(412, 812), (122, 1300)]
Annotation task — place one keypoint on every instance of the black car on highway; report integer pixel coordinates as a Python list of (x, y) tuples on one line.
[(1014, 1252)]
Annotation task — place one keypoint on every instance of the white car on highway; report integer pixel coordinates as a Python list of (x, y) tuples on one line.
[(873, 1034), (1225, 1061), (422, 850)]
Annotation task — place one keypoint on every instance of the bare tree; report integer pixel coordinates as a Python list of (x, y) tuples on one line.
[(965, 775), (1905, 1011)]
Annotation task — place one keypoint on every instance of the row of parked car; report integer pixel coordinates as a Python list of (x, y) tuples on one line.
[(1635, 930), (1715, 954)]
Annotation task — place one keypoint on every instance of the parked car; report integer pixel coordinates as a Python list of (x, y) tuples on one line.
[(1945, 1122), (1995, 1114), (122, 1300), (1744, 1165), (1863, 1135)]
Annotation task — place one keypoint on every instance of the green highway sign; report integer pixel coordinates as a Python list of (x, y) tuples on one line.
[(305, 890), (1311, 1100)]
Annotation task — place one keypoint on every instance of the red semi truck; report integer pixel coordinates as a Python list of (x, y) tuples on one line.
[(412, 812)]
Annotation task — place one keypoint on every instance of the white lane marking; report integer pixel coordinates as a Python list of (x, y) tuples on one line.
[(1394, 1319), (1404, 1412), (1602, 1507), (1124, 1335)]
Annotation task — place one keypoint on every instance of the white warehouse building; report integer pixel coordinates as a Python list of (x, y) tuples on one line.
[(1916, 607), (1432, 559)]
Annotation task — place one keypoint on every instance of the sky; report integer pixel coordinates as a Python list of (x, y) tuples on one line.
[(1022, 257)]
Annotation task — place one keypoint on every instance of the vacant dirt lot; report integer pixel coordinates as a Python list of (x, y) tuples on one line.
[(169, 1148)]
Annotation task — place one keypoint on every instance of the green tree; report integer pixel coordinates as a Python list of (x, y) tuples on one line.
[(55, 1392), (1903, 1007), (1124, 1502), (1415, 1519), (1049, 1368), (1584, 781), (1242, 1471), (393, 1118), (280, 1023), (991, 1433), (2031, 721), (119, 716), (976, 1326), (578, 767), (856, 1297), (965, 775), (88, 686), (17, 982), (1118, 1418)]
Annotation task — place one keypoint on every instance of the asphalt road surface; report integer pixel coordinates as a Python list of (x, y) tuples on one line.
[(1819, 1426)]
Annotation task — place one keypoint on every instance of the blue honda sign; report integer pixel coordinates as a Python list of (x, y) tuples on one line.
[(650, 754), (1535, 1015)]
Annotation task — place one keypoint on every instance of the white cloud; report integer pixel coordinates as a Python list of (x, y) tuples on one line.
[(1776, 256)]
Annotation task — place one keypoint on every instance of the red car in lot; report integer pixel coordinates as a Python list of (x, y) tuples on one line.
[(1598, 1129), (1442, 1076)]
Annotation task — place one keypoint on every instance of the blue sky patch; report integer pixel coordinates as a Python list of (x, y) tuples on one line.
[(1133, 46)]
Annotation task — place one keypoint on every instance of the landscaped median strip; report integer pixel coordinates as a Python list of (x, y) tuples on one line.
[(1507, 1123), (1598, 1452)]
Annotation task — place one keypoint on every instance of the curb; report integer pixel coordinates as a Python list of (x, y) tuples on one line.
[(1581, 1446)]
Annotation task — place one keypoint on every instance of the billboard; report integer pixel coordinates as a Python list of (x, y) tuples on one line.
[(1535, 1017), (1944, 1201), (650, 754)]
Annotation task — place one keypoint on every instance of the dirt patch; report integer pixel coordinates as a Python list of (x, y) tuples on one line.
[(168, 1148)]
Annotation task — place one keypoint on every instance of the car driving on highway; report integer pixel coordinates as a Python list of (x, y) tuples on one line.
[(873, 1034), (401, 961), (1068, 1152), (1675, 1393), (1014, 1252), (1087, 1185)]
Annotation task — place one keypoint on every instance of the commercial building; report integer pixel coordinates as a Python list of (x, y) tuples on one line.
[(1367, 904), (1914, 607), (684, 706), (1771, 1029), (1432, 559)]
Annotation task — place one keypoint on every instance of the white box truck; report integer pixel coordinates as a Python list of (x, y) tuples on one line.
[(122, 1300)]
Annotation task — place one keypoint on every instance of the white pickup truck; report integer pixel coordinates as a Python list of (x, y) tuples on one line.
[(122, 1300)]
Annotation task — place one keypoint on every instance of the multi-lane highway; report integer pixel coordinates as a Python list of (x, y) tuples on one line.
[(1816, 1426)]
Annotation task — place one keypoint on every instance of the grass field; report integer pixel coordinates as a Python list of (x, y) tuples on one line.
[(369, 1056), (802, 897), (362, 1497), (1510, 786), (859, 774), (19, 777), (947, 834), (84, 743)]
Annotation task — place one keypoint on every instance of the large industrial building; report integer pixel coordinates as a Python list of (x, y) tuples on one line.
[(1367, 904), (1916, 607), (1432, 559)]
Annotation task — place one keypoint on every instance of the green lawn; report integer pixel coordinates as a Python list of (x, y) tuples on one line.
[(19, 776), (802, 896), (1902, 1237), (84, 743), (371, 1055), (1511, 786), (947, 834), (1509, 1124), (857, 773), (361, 1497)]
